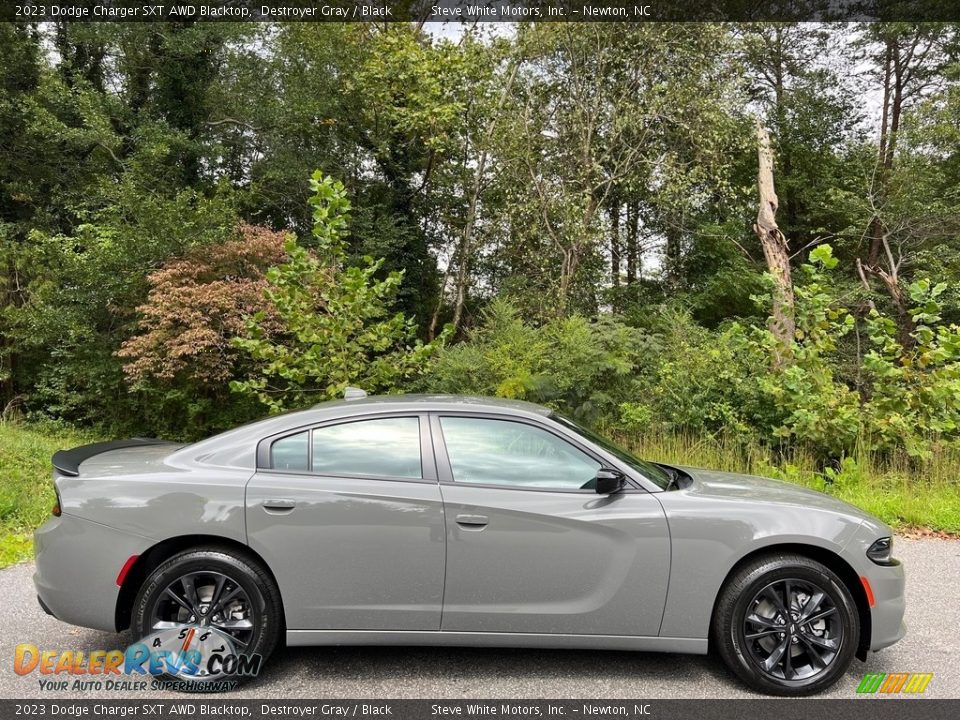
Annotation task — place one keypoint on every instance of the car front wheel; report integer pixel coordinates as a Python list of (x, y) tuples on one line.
[(786, 625), (207, 616)]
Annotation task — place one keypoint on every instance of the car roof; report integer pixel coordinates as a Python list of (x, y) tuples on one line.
[(439, 402)]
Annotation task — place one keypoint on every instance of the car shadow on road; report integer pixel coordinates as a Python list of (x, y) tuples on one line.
[(489, 672)]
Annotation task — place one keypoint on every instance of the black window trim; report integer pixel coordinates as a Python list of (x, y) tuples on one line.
[(428, 468), (445, 468)]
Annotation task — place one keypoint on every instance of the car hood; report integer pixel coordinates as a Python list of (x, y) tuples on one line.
[(752, 488)]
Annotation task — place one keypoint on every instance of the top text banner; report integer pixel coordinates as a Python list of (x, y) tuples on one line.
[(471, 11)]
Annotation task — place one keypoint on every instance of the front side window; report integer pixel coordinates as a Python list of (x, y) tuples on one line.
[(382, 447), (654, 473), (501, 452)]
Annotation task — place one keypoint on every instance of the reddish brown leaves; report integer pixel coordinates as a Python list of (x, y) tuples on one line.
[(198, 304)]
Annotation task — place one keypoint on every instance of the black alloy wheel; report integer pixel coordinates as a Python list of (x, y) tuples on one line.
[(207, 599), (215, 600), (792, 630), (786, 624)]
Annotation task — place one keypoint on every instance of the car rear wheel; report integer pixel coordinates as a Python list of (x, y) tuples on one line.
[(786, 625), (209, 613)]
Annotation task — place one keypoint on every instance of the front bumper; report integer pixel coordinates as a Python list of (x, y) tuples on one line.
[(888, 583), (77, 566)]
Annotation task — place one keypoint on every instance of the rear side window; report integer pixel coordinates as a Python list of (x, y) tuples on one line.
[(291, 452), (383, 447)]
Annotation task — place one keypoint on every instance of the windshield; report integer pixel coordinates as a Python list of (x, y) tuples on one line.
[(652, 472)]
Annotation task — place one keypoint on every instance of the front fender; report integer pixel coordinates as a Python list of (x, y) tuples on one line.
[(709, 536)]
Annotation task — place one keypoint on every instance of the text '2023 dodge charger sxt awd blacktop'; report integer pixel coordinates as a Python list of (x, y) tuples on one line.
[(440, 520)]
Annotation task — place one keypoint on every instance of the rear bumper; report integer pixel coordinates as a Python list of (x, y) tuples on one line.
[(77, 566)]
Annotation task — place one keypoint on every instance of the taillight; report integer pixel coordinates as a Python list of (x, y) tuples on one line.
[(56, 505)]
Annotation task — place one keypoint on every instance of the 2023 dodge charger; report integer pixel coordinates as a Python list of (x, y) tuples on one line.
[(438, 520)]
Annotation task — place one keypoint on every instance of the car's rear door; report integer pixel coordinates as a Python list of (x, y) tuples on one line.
[(349, 517), (529, 550)]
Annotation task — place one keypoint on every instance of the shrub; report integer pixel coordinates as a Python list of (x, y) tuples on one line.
[(180, 359), (575, 365), (906, 398), (815, 406), (331, 324), (701, 381), (914, 394)]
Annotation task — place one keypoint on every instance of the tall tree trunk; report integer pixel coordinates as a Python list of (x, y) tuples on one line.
[(615, 251), (632, 229), (672, 232), (438, 308), (782, 322), (875, 231), (466, 240)]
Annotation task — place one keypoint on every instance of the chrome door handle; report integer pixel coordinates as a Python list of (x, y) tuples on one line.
[(279, 504), (472, 520)]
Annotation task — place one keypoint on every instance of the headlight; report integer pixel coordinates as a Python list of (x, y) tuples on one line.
[(881, 552)]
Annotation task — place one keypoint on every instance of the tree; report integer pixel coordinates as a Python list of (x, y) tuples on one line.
[(909, 59), (181, 356), (601, 125), (332, 325), (51, 137), (799, 77)]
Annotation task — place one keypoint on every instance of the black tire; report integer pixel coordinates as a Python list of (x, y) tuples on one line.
[(255, 595), (780, 657)]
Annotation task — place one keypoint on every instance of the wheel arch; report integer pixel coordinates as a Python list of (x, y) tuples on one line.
[(822, 555), (162, 551)]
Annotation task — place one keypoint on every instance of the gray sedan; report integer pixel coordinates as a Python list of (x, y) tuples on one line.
[(438, 520)]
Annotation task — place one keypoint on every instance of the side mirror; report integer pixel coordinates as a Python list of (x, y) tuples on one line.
[(609, 481)]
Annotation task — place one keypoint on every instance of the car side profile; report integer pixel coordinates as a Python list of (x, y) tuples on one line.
[(445, 520)]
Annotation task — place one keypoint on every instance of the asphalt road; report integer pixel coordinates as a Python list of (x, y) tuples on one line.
[(932, 645)]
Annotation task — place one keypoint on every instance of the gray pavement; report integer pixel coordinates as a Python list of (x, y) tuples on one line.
[(932, 645)]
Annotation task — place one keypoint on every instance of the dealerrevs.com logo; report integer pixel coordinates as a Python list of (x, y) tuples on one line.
[(894, 683), (182, 657)]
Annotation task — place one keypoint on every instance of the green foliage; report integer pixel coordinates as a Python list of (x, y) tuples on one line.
[(701, 382), (582, 367), (81, 294), (607, 192), (333, 322), (817, 408), (914, 395), (899, 398)]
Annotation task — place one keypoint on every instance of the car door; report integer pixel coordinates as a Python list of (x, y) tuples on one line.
[(530, 549), (349, 517)]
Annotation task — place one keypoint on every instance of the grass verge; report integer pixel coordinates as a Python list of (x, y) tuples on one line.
[(26, 486)]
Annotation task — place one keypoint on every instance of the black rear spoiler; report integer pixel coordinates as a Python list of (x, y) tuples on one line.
[(67, 462)]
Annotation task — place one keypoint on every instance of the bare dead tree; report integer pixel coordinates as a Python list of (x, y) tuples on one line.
[(782, 322)]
